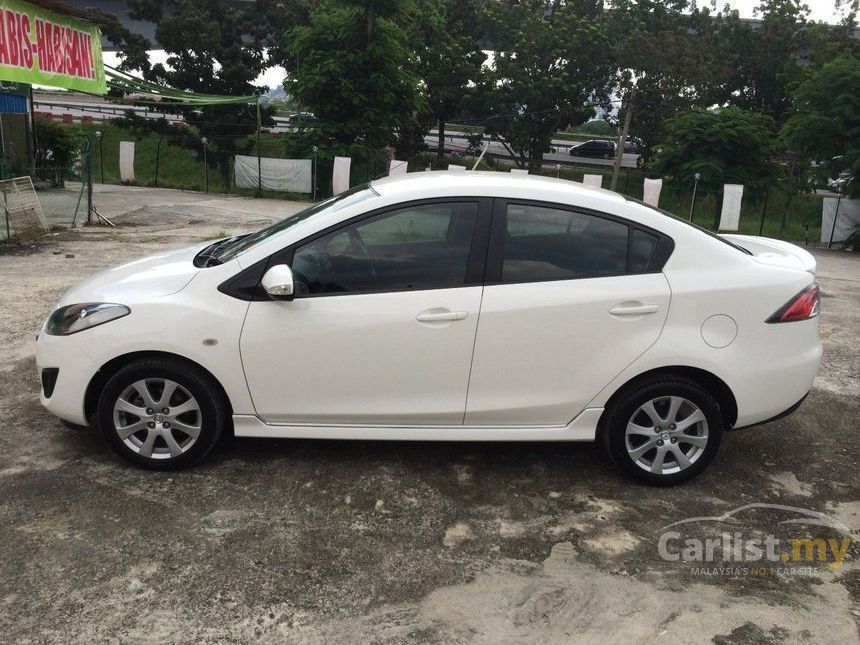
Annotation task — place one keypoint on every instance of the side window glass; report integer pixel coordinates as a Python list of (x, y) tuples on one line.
[(417, 247), (642, 247), (544, 243)]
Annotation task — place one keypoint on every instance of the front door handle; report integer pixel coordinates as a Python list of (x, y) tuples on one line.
[(633, 310), (434, 315)]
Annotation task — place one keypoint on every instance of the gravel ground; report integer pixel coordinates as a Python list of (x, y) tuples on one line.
[(312, 541)]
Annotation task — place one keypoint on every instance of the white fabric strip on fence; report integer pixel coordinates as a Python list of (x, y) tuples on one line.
[(651, 191), (731, 213), (282, 175), (593, 180), (126, 161), (455, 168), (846, 220), (340, 175), (397, 167)]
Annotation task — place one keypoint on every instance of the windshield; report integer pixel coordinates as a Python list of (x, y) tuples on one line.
[(688, 223), (348, 198)]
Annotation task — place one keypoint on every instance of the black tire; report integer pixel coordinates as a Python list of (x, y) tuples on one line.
[(213, 411), (628, 402)]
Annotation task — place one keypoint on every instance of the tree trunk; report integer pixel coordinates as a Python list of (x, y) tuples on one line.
[(535, 162), (440, 150)]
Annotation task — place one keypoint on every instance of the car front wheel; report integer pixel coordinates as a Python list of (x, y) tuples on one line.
[(161, 413), (664, 431)]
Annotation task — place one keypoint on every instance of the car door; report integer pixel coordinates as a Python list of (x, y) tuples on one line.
[(382, 326), (571, 299)]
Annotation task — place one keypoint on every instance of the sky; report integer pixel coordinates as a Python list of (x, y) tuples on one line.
[(820, 10)]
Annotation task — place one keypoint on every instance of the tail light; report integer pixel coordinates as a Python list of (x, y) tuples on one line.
[(803, 306)]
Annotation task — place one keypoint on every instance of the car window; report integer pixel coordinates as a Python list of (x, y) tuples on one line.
[(418, 247), (352, 196), (642, 246), (543, 243)]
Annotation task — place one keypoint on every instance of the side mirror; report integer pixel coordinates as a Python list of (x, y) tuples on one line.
[(278, 282)]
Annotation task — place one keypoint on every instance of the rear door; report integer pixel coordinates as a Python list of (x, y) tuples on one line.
[(571, 298)]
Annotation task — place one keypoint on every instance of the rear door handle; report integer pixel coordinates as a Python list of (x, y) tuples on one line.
[(440, 316), (633, 310)]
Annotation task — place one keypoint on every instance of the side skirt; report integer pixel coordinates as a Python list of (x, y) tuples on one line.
[(582, 428)]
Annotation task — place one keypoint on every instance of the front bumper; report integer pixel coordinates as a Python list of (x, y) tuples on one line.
[(75, 371)]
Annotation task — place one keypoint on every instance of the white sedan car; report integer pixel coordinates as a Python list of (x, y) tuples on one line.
[(450, 307)]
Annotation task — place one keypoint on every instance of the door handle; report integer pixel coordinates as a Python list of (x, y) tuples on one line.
[(431, 316), (633, 310)]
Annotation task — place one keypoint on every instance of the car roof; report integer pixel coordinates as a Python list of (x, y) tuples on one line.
[(419, 185)]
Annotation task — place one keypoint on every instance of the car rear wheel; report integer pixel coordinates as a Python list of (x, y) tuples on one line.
[(664, 431), (161, 413)]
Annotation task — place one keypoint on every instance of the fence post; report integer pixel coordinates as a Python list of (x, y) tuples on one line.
[(259, 153), (205, 141), (157, 155), (89, 180), (696, 179)]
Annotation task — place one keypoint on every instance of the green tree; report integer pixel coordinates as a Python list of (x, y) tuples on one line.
[(826, 124), (355, 70), (726, 146), (549, 71), (450, 61), (767, 59), (667, 49), (209, 51)]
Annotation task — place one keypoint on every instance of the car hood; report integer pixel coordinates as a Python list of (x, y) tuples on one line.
[(775, 252), (152, 276)]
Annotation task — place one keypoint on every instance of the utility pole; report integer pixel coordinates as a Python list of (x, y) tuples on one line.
[(619, 152)]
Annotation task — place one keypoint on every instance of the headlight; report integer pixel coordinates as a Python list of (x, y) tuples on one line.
[(75, 318)]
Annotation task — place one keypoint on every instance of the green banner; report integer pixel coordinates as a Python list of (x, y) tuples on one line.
[(45, 48)]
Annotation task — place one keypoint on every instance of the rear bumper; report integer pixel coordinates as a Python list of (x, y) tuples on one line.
[(776, 383), (793, 408)]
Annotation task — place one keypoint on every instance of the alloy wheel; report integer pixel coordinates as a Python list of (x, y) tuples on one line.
[(666, 435), (157, 418)]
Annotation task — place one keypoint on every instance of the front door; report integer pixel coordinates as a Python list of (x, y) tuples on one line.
[(383, 324), (571, 300)]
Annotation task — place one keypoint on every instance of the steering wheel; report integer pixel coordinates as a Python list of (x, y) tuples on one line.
[(358, 245)]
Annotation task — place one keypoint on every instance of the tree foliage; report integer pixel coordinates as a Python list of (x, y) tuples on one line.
[(355, 70), (450, 60), (209, 51), (826, 125), (549, 71), (728, 146)]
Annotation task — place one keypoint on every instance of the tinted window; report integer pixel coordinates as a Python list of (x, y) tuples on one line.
[(417, 247), (552, 244), (642, 247)]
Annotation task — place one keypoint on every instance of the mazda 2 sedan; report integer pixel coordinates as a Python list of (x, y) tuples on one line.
[(450, 307)]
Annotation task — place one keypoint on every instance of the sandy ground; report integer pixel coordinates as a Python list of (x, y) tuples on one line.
[(311, 541)]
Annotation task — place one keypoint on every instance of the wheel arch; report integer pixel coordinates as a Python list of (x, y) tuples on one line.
[(106, 371), (711, 382)]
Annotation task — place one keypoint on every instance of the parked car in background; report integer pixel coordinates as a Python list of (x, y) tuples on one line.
[(597, 148), (450, 307)]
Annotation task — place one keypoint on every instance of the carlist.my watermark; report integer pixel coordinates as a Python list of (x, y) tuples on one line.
[(804, 542)]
